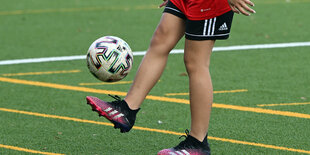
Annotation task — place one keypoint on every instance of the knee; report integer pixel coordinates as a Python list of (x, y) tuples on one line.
[(189, 65), (195, 66), (161, 37)]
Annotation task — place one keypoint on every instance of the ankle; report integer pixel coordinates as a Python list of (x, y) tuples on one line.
[(199, 137), (130, 105)]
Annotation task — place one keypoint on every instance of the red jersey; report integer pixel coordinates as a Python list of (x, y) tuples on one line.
[(202, 9)]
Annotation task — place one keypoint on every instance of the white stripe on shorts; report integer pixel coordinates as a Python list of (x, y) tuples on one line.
[(213, 27), (210, 23), (209, 27), (205, 27)]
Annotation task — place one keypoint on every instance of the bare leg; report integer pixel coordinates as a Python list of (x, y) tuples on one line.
[(169, 31), (197, 60)]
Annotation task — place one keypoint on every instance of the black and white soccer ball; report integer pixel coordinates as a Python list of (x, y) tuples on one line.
[(109, 59)]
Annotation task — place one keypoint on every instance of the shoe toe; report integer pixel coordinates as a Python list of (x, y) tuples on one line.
[(164, 152)]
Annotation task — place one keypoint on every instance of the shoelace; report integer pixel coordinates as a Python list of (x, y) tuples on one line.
[(184, 142), (189, 144), (186, 134), (115, 97)]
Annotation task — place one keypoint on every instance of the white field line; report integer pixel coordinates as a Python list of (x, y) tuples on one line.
[(177, 51)]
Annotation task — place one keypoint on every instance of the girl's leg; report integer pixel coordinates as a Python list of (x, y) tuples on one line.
[(197, 60), (169, 31)]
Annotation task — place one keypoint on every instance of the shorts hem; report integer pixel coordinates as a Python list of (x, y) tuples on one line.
[(201, 38), (172, 9)]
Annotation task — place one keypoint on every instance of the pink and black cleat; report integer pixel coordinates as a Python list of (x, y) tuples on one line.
[(117, 112), (190, 146)]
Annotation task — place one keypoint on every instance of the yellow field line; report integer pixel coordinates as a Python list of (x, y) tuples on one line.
[(151, 97), (41, 73), (55, 116), (261, 110), (153, 130), (61, 86), (282, 104), (177, 94), (66, 10), (105, 83), (27, 150), (259, 145), (215, 92)]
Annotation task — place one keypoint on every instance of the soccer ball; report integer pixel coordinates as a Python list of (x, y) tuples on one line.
[(109, 59)]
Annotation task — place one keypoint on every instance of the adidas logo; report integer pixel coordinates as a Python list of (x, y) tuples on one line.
[(223, 27), (113, 112), (182, 152)]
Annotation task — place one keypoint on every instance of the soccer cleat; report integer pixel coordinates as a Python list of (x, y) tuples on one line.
[(117, 112), (190, 146)]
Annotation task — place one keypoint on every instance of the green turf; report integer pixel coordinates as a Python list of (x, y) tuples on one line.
[(54, 28)]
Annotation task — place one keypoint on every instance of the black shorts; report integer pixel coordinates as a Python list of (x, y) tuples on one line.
[(209, 29)]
